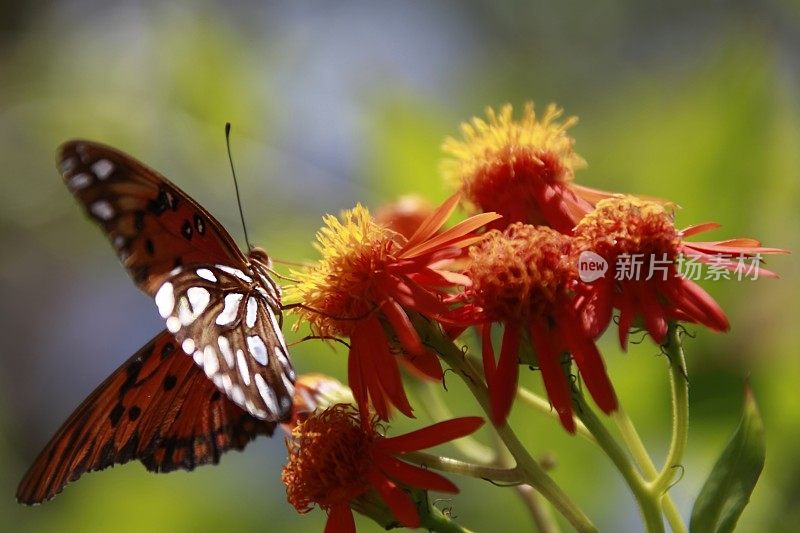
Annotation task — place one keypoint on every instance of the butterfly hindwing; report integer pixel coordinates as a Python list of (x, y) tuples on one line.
[(159, 408), (227, 320)]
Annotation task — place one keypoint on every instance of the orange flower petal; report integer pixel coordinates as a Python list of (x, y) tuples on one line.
[(555, 382), (449, 237), (432, 224), (434, 435), (340, 520), (413, 476), (397, 499), (504, 383)]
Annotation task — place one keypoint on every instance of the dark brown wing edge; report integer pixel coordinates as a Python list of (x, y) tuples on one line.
[(159, 408)]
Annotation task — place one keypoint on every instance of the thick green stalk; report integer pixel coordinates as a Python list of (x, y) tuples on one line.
[(648, 503)]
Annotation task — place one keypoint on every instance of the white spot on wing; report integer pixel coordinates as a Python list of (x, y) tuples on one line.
[(184, 313), (207, 274), (267, 393), (102, 168), (225, 348), (198, 298), (235, 272), (67, 164), (257, 349), (288, 384), (227, 384), (237, 394), (173, 324), (228, 314), (210, 360), (165, 300), (188, 346), (244, 371), (198, 357), (102, 210), (252, 307), (79, 181)]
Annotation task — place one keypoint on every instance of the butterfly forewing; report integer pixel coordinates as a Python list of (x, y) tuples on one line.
[(152, 224), (177, 252), (159, 408)]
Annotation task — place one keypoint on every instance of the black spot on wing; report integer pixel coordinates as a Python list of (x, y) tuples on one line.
[(115, 414), (186, 230), (170, 382)]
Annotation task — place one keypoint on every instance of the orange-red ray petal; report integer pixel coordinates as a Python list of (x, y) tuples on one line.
[(396, 498), (431, 225), (413, 476), (434, 435), (386, 369), (504, 383), (555, 382), (340, 519), (402, 326), (590, 363), (699, 228), (451, 236)]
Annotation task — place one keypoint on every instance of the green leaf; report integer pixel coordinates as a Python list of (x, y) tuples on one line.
[(727, 490)]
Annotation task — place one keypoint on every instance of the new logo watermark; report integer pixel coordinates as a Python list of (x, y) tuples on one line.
[(591, 266)]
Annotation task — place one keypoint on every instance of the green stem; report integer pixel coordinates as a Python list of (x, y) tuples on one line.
[(447, 464), (435, 520), (532, 472), (680, 410), (538, 403), (649, 505), (639, 453), (542, 517)]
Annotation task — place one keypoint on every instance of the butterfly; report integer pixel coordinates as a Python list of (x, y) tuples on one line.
[(219, 374)]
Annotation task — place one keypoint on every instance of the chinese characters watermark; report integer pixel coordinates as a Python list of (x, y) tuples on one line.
[(645, 267)]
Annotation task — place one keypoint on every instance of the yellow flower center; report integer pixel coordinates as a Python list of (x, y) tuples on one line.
[(504, 160), (628, 225), (339, 286), (329, 457), (520, 272)]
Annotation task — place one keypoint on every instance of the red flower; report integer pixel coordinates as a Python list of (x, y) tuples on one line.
[(522, 169), (638, 240), (523, 278), (368, 281), (335, 457)]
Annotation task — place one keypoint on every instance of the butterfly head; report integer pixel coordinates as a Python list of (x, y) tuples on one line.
[(259, 256)]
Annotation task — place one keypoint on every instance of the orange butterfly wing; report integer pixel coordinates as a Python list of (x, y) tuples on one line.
[(159, 408), (153, 225)]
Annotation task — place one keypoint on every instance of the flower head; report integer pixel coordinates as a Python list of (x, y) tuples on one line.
[(639, 241), (368, 281), (522, 169), (335, 457), (523, 277), (314, 393), (404, 215)]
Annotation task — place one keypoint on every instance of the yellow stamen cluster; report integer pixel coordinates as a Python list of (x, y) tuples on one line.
[(329, 458), (339, 286), (628, 225), (503, 143), (519, 272)]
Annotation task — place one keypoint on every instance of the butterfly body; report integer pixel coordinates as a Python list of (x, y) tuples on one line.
[(218, 376)]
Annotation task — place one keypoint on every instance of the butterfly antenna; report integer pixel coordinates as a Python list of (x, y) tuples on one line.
[(236, 184)]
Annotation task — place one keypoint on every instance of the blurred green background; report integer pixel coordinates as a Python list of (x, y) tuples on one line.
[(337, 103)]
